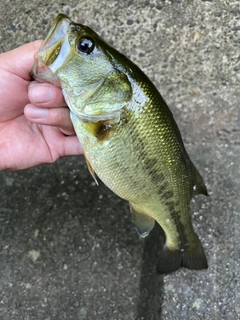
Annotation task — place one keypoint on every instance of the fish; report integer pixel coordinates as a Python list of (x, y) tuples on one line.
[(130, 139)]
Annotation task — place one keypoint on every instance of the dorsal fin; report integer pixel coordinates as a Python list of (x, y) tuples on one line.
[(198, 183)]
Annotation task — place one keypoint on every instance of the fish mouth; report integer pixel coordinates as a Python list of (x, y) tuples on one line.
[(53, 51)]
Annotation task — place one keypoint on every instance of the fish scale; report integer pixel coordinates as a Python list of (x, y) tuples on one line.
[(129, 136)]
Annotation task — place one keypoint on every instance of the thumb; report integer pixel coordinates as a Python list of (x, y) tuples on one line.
[(20, 60)]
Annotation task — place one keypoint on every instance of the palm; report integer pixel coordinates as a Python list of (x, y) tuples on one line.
[(28, 144)]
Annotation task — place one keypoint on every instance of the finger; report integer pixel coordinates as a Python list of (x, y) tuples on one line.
[(21, 59), (46, 95), (60, 145), (56, 117), (70, 146)]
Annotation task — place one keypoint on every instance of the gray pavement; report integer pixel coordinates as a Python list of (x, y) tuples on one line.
[(68, 248)]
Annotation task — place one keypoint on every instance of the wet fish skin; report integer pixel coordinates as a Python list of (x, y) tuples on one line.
[(129, 136)]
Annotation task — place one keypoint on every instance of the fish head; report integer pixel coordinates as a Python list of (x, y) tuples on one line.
[(76, 59)]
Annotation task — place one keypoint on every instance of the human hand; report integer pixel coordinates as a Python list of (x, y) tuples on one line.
[(35, 126)]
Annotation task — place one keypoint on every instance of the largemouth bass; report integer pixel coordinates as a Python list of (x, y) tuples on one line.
[(129, 136)]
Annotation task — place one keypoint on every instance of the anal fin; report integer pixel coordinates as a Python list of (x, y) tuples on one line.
[(143, 223)]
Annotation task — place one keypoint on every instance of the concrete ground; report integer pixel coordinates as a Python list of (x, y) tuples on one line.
[(68, 248)]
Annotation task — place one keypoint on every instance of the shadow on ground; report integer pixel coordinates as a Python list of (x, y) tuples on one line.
[(151, 283)]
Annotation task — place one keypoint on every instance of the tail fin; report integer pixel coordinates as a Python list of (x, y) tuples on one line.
[(192, 257), (169, 261)]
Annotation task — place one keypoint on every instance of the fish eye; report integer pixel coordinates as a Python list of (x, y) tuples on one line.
[(85, 45)]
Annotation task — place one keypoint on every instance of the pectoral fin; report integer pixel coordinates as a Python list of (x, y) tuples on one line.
[(103, 130), (92, 172), (143, 223)]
